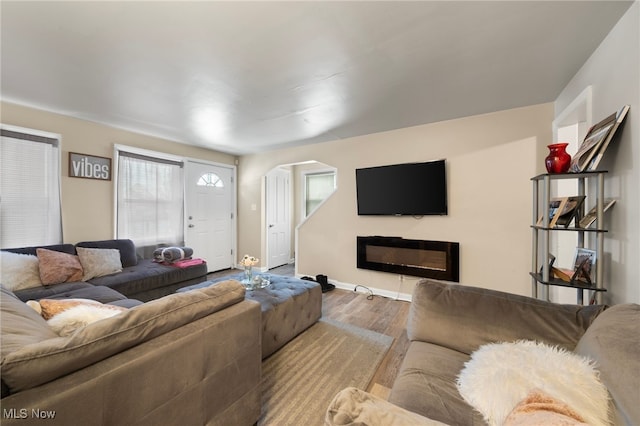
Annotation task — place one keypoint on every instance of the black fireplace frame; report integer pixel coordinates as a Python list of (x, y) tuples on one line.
[(450, 249)]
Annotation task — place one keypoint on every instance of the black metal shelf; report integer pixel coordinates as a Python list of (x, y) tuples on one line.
[(557, 176), (559, 282), (541, 233), (557, 228)]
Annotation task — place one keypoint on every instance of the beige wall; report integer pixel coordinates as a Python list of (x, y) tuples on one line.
[(490, 160), (613, 72), (87, 204)]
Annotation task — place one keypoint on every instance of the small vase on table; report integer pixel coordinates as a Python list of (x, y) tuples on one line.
[(248, 274)]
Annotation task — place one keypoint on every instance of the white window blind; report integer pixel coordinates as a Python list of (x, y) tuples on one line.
[(150, 200), (318, 186), (29, 188)]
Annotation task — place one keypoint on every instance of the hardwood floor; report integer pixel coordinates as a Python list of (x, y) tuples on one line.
[(380, 314)]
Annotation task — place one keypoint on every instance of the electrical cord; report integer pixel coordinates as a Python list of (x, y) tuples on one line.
[(369, 296)]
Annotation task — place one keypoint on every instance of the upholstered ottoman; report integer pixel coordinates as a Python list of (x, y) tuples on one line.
[(289, 306)]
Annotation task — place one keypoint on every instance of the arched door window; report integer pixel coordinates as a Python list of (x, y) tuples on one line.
[(210, 179)]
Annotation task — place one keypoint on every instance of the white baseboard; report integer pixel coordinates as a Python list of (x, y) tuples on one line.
[(376, 291)]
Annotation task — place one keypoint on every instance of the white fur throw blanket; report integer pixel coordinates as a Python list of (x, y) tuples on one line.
[(499, 376)]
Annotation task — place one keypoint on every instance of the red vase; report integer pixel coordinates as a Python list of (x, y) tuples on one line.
[(558, 161)]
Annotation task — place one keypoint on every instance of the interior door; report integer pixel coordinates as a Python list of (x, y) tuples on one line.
[(278, 217), (209, 219)]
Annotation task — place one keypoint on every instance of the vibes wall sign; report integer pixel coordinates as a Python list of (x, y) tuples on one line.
[(89, 166)]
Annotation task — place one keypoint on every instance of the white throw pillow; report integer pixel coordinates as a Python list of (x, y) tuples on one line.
[(500, 375), (18, 271), (99, 262), (67, 322)]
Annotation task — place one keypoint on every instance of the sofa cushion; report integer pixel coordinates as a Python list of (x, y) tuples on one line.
[(613, 342), (19, 324), (56, 267), (98, 262), (41, 362), (18, 271), (126, 248), (426, 384), (464, 318), (48, 292), (148, 275)]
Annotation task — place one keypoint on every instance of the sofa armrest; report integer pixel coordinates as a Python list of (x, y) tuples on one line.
[(352, 406), (463, 318)]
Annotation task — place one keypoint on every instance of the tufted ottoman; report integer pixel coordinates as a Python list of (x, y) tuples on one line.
[(289, 306)]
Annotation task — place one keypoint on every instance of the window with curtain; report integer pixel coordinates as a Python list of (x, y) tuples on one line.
[(150, 200), (30, 211), (318, 186)]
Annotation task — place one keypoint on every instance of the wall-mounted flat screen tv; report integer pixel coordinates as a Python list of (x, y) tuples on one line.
[(415, 189)]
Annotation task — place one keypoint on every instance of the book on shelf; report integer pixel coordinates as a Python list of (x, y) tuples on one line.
[(591, 144), (570, 210), (592, 215), (555, 207), (605, 143)]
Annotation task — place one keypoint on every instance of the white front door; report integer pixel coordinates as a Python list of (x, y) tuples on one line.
[(278, 218), (209, 208)]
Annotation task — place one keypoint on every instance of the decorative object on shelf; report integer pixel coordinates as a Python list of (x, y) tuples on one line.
[(248, 262), (591, 217), (556, 207), (596, 142), (570, 210), (584, 264), (619, 120), (558, 160)]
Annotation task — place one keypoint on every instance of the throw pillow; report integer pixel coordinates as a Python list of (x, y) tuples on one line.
[(500, 375), (57, 267), (67, 322), (65, 316), (99, 262), (18, 271)]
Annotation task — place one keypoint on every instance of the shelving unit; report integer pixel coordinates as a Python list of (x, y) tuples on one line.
[(541, 233)]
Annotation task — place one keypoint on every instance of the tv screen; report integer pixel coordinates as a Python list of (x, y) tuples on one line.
[(414, 189)]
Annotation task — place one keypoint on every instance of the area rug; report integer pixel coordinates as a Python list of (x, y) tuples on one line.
[(300, 380)]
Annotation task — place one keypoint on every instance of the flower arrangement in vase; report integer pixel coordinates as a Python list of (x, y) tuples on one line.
[(248, 262)]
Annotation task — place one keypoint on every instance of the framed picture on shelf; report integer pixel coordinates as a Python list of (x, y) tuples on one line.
[(570, 210), (556, 206), (584, 265), (605, 143), (591, 144), (591, 217)]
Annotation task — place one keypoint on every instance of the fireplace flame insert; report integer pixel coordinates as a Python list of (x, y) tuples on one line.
[(419, 258)]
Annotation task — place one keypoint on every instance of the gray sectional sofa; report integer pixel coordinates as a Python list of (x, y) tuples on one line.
[(448, 322), (140, 279), (192, 358)]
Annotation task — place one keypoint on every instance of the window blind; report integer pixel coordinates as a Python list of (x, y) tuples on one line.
[(150, 200), (29, 189)]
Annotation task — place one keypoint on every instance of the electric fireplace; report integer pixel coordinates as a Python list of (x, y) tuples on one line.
[(420, 258)]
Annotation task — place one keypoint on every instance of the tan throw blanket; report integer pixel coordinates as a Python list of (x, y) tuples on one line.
[(540, 409)]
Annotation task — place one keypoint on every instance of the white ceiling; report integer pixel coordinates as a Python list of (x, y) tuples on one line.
[(242, 77)]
